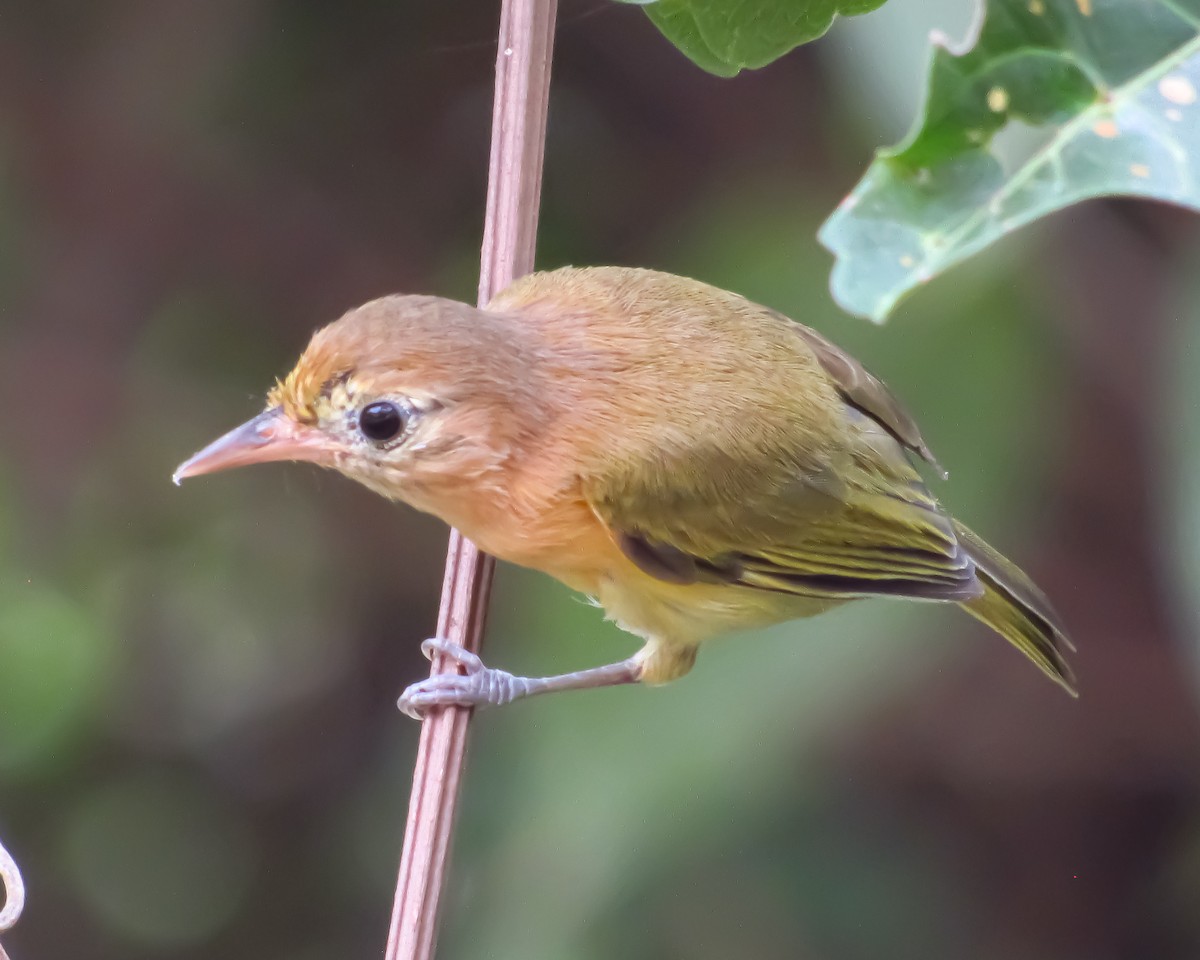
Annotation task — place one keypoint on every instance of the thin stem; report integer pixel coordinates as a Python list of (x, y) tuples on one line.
[(509, 237), (14, 893), (14, 890)]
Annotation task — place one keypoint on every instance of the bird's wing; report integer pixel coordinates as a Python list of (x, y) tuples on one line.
[(863, 391), (865, 526)]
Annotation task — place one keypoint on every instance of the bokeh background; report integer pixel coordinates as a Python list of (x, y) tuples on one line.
[(199, 751)]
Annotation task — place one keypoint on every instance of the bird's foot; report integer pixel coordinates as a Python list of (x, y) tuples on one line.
[(480, 686)]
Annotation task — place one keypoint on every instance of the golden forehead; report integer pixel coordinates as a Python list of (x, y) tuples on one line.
[(310, 392)]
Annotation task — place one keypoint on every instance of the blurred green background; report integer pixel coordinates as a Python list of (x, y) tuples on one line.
[(199, 750)]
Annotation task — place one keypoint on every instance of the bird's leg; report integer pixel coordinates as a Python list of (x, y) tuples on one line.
[(484, 686)]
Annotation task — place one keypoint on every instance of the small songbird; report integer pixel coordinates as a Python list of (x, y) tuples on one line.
[(695, 462)]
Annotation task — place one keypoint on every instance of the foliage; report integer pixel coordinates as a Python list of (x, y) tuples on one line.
[(1111, 84), (1109, 88), (728, 36)]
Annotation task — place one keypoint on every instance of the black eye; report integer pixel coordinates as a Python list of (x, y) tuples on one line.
[(381, 421)]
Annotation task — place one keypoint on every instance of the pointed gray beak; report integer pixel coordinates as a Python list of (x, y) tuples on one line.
[(272, 435)]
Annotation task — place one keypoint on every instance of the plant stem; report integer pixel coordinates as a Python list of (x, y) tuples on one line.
[(13, 888), (509, 238)]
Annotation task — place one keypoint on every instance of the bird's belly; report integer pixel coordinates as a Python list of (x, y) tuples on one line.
[(693, 613), (566, 541)]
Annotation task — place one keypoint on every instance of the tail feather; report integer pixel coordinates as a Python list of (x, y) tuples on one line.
[(1017, 610)]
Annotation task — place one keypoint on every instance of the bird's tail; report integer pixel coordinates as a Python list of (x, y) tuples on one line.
[(1017, 610)]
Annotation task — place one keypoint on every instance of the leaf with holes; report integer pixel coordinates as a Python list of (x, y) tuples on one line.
[(1110, 84), (728, 36)]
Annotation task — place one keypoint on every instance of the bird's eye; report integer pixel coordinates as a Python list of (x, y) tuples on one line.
[(381, 421)]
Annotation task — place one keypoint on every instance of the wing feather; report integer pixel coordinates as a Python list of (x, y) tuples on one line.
[(866, 392), (830, 507), (880, 532)]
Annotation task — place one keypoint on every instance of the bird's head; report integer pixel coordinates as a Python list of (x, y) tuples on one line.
[(412, 396)]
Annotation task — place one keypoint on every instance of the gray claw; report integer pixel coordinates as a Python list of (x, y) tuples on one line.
[(443, 690), (460, 654), (481, 686)]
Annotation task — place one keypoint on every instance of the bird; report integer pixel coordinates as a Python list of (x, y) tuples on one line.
[(695, 463)]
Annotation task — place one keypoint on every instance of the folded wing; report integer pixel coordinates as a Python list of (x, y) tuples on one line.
[(862, 524)]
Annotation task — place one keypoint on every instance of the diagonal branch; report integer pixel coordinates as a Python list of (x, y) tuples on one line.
[(509, 237)]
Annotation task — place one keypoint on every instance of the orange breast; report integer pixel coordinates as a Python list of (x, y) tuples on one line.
[(558, 534), (564, 538)]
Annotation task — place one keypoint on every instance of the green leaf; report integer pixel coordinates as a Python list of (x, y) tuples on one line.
[(1112, 86), (727, 36)]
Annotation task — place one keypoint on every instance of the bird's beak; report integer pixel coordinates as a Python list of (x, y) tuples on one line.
[(272, 435)]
